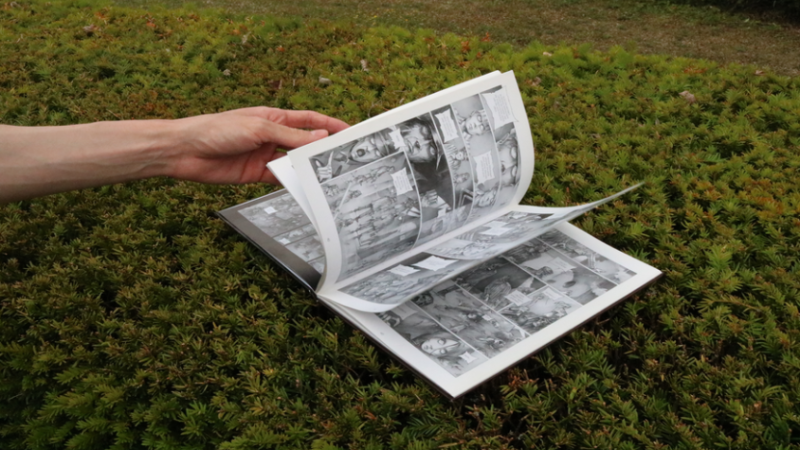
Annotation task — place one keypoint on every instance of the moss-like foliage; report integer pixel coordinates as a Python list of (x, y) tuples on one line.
[(131, 317)]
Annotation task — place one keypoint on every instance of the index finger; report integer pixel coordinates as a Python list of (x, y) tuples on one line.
[(313, 120)]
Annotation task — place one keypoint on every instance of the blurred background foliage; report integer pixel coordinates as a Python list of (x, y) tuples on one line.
[(724, 31)]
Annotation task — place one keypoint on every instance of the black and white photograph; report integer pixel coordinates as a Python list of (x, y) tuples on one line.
[(562, 273), (465, 250), (498, 107), (493, 238), (449, 216), (508, 155), (528, 251), (353, 155), (475, 127), (544, 308), (495, 164), (276, 216), (426, 154), (296, 234), (455, 149), (307, 249), (448, 222), (498, 283), (383, 182), (592, 260), (473, 122), (376, 212), (413, 275), (513, 226), (433, 340), (483, 195), (469, 319)]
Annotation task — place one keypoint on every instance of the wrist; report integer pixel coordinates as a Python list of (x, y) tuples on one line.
[(159, 147), (175, 140)]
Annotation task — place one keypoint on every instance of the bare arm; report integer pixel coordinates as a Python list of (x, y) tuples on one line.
[(229, 147)]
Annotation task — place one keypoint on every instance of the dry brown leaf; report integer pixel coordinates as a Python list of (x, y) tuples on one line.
[(688, 96)]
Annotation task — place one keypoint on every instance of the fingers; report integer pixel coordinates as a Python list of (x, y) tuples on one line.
[(296, 119), (314, 120), (286, 136)]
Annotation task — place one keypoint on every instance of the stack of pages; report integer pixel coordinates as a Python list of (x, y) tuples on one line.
[(409, 226)]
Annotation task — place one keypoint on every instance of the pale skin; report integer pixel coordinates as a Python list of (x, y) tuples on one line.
[(229, 147)]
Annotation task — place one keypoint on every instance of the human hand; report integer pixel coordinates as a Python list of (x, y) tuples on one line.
[(235, 146)]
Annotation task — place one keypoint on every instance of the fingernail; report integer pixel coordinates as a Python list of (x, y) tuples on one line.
[(319, 134)]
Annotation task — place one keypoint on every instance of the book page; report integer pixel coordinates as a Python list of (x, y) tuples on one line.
[(278, 225), (391, 286), (287, 176), (413, 175), (469, 328), (421, 271), (285, 173)]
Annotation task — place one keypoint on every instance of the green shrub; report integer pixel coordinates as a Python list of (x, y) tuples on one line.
[(131, 317)]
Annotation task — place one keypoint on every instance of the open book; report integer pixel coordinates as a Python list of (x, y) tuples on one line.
[(409, 225)]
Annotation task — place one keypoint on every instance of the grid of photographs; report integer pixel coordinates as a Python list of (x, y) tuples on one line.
[(425, 270), (415, 181), (415, 274), (494, 237), (475, 129), (376, 211), (488, 133), (463, 322), (282, 219)]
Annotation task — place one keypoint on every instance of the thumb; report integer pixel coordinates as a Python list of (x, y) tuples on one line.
[(288, 137)]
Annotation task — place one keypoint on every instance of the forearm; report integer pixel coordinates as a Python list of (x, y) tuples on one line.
[(229, 147), (36, 161)]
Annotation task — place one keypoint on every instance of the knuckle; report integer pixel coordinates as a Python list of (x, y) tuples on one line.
[(263, 110)]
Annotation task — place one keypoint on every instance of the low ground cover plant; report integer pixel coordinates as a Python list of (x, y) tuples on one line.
[(131, 317)]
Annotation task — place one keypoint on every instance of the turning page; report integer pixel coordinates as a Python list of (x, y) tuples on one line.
[(385, 288), (414, 174)]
